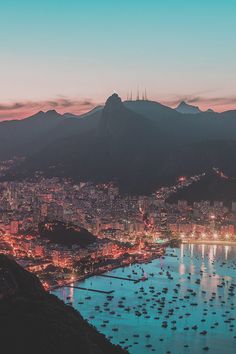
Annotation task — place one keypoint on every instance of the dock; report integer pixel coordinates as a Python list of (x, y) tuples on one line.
[(89, 289), (121, 278)]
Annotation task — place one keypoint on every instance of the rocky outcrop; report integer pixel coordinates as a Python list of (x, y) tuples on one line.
[(36, 322)]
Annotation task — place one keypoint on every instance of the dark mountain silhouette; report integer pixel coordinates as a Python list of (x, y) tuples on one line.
[(18, 137), (210, 187), (65, 234), (114, 144), (97, 110), (181, 128), (27, 136), (139, 144), (70, 115), (184, 107), (87, 114), (152, 110), (33, 321)]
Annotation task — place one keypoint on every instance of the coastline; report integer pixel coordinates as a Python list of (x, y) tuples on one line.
[(209, 242), (111, 267)]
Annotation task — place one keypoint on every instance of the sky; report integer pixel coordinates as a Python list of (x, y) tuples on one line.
[(70, 55)]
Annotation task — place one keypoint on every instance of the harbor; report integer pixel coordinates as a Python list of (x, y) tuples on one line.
[(185, 304)]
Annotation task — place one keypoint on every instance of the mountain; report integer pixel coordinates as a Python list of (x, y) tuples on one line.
[(15, 281), (118, 145), (185, 108), (65, 234), (94, 110), (18, 137), (97, 110), (151, 109), (70, 115), (34, 321), (210, 110), (138, 144), (116, 118), (25, 137), (210, 187)]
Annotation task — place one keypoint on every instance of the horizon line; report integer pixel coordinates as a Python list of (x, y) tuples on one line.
[(20, 110)]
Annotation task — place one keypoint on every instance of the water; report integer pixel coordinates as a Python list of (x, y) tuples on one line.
[(134, 316)]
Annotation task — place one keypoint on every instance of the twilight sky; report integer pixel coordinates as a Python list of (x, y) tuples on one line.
[(69, 55)]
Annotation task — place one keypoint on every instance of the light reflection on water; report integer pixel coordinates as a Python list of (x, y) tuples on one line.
[(218, 265)]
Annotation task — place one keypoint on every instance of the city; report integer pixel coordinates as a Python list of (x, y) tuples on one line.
[(117, 177), (129, 228)]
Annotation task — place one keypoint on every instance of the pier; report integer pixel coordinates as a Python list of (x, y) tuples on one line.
[(89, 289), (121, 278)]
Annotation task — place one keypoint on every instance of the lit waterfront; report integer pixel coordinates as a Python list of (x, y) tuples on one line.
[(163, 316)]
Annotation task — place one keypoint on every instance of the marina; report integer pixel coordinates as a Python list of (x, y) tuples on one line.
[(185, 305)]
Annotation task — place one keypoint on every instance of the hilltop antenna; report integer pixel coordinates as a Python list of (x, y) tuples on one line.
[(138, 94)]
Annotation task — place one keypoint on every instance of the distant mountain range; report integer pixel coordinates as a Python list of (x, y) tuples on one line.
[(186, 108), (139, 144)]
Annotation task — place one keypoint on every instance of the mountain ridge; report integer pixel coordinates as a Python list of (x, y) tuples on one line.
[(138, 144), (184, 108)]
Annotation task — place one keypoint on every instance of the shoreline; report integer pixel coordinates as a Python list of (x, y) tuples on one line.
[(102, 271), (151, 258), (209, 242)]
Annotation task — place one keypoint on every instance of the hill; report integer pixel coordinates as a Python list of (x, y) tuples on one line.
[(138, 144), (211, 187), (65, 234), (18, 137), (26, 137), (120, 144), (186, 108), (33, 321)]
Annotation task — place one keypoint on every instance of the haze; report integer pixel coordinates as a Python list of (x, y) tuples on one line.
[(70, 55)]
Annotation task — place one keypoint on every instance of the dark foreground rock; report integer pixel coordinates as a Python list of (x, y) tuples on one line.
[(36, 322)]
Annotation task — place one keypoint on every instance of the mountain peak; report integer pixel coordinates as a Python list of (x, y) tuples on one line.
[(52, 114), (113, 101), (184, 107), (36, 115), (51, 111), (111, 114)]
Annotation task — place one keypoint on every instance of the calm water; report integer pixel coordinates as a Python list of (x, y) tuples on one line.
[(135, 315)]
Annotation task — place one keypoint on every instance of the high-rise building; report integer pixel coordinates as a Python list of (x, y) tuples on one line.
[(14, 227), (234, 207)]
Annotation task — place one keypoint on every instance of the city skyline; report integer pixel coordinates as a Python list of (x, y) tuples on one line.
[(72, 55)]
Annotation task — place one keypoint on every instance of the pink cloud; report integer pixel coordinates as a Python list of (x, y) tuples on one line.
[(218, 104), (22, 109), (19, 110)]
